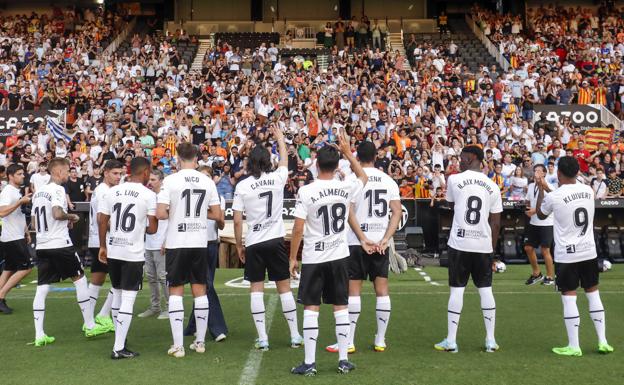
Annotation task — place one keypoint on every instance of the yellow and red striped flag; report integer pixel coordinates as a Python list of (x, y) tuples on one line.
[(594, 136)]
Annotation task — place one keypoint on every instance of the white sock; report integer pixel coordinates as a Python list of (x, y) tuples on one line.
[(257, 312), (289, 308), (124, 318), (105, 311), (82, 295), (310, 335), (342, 333), (176, 319), (597, 314), (571, 319), (488, 307), (355, 307), (94, 292), (455, 305), (115, 304), (383, 317), (39, 309), (201, 317)]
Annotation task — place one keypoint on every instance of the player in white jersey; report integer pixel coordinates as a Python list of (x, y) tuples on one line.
[(155, 271), (477, 206), (539, 233), (321, 216), (15, 237), (55, 252), (261, 198), (188, 199), (572, 207), (112, 170), (373, 228), (41, 178), (128, 211)]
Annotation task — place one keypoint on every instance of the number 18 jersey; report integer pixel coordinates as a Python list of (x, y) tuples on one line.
[(262, 199), (572, 207), (475, 197)]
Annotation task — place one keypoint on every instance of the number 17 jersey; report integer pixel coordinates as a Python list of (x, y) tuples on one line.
[(475, 197)]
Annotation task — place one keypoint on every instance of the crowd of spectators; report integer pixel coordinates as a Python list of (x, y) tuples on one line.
[(145, 103)]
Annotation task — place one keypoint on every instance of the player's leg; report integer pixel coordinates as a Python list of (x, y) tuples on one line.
[(529, 248), (178, 271), (46, 274), (459, 272), (277, 268), (154, 287), (129, 283), (17, 265), (546, 244), (255, 269), (10, 283), (161, 273), (567, 283), (378, 267), (482, 278), (216, 321), (336, 292), (198, 279), (589, 282), (309, 294)]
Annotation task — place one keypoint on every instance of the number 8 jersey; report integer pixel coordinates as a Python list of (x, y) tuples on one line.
[(475, 197), (572, 206)]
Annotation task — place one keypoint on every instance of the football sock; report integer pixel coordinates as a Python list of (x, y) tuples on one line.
[(310, 335), (257, 312), (355, 307), (289, 308), (383, 317), (455, 304), (105, 311), (201, 317), (342, 333), (124, 318), (488, 307), (571, 319), (39, 309), (115, 304), (597, 314), (94, 292), (82, 295), (176, 319)]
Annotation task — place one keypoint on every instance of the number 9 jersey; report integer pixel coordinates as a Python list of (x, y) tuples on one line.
[(572, 206), (475, 196)]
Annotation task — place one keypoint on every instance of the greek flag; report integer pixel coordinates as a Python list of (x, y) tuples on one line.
[(55, 126)]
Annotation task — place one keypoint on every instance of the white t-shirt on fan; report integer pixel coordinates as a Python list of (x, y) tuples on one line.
[(14, 224), (532, 194)]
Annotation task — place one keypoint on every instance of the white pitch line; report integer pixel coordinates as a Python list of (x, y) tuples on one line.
[(426, 277), (252, 365)]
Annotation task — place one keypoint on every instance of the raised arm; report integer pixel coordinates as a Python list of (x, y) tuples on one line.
[(281, 145), (345, 148)]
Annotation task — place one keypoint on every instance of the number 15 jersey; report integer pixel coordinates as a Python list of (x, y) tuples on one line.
[(572, 207), (475, 197), (262, 199)]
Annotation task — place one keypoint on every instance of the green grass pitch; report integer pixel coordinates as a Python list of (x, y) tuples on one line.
[(529, 324)]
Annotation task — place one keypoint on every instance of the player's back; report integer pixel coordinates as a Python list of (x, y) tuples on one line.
[(372, 205), (262, 199), (51, 233), (189, 194), (99, 192), (128, 205), (475, 196), (572, 207)]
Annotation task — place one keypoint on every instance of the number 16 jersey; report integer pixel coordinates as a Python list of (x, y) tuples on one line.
[(475, 197)]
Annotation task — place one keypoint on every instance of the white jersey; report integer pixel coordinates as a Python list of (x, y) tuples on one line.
[(372, 205), (324, 204), (128, 205), (51, 233), (532, 194), (156, 240), (98, 196), (475, 197), (14, 224), (213, 229), (189, 194), (38, 180), (262, 200), (572, 207)]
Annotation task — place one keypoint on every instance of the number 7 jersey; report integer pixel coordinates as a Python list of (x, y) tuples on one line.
[(475, 196), (572, 207)]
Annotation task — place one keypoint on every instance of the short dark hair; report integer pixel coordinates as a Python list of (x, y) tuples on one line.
[(159, 173), (259, 161), (187, 151), (568, 166), (327, 159), (475, 150), (13, 168), (539, 166), (112, 164), (138, 165), (366, 152)]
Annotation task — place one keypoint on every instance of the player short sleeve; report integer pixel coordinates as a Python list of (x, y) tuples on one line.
[(282, 174), (547, 205), (151, 204), (356, 188), (496, 205), (58, 198), (449, 190), (163, 194), (301, 208), (103, 204), (238, 204), (393, 193)]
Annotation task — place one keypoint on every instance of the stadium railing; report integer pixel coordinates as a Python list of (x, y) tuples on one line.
[(492, 49)]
